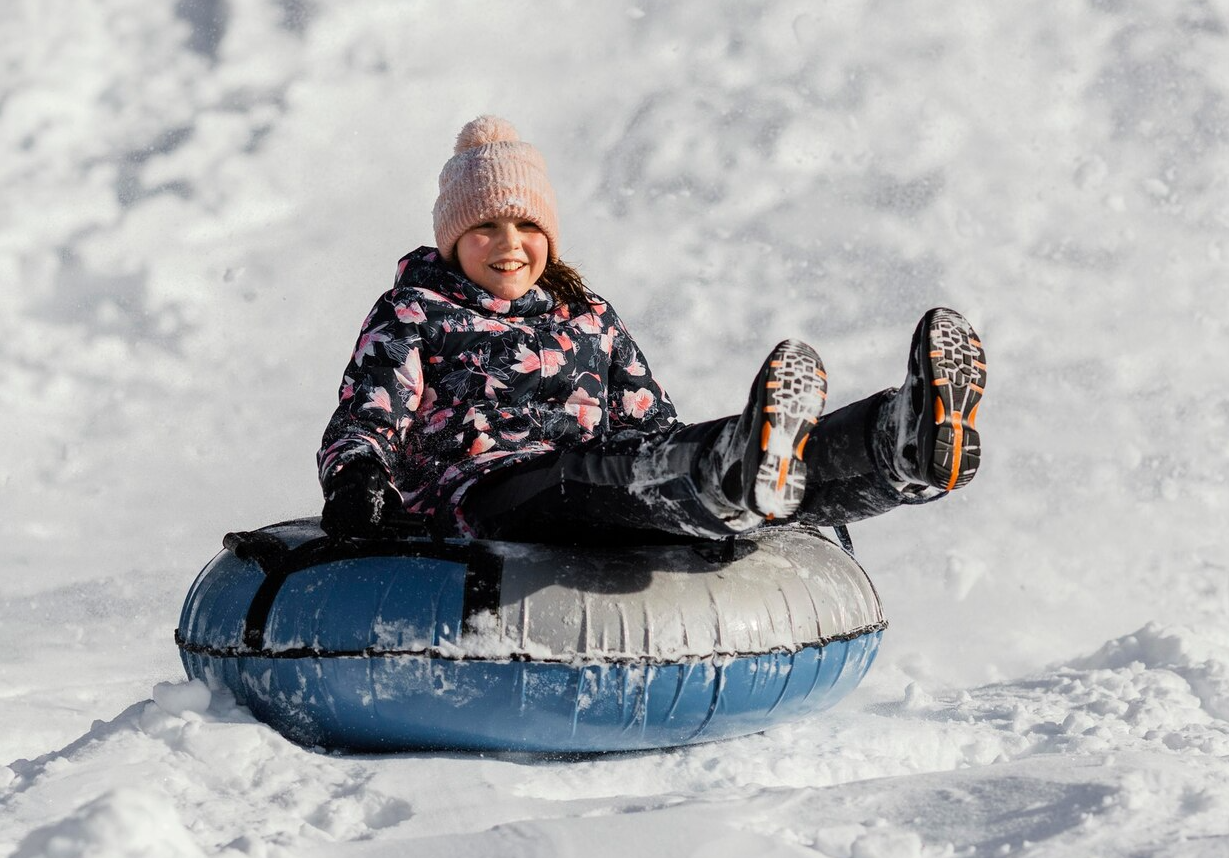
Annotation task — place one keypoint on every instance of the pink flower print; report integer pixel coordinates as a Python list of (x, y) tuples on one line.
[(367, 342), (548, 361), (565, 342), (347, 389), (514, 436), (552, 360), (495, 305), (586, 409), (492, 384), (637, 403), (438, 420), (379, 399), (635, 367), (490, 326), (401, 267), (411, 313), (607, 341), (409, 374), (526, 360), (478, 419), (481, 444), (428, 399), (330, 455), (589, 323)]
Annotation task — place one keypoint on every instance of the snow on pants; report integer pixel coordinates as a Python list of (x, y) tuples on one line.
[(647, 488)]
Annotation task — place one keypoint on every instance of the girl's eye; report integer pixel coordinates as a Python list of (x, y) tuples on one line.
[(528, 226)]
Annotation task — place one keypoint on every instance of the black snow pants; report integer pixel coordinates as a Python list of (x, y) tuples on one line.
[(647, 488)]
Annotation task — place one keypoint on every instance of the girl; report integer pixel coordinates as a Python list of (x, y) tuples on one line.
[(494, 392)]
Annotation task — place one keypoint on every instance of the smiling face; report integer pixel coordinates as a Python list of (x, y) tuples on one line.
[(504, 256)]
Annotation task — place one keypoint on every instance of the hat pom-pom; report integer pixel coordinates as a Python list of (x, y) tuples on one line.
[(484, 130)]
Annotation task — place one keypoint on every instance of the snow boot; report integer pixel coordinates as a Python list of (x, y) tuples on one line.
[(757, 463), (707, 480), (928, 427)]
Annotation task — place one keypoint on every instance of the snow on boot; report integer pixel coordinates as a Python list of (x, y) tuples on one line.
[(929, 423), (762, 465)]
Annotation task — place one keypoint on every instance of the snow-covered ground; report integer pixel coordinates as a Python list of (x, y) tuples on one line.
[(200, 200)]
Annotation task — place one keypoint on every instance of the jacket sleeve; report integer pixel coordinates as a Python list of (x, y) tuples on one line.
[(635, 399), (380, 392)]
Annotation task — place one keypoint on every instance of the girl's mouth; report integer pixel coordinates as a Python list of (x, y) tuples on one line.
[(507, 267)]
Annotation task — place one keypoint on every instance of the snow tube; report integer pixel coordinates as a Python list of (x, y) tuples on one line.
[(420, 643)]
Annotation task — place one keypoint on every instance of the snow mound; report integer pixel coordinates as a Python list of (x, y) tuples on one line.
[(1199, 662), (1159, 689), (197, 756), (124, 823)]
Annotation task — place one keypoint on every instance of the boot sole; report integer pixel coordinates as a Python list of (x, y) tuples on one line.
[(790, 399), (956, 379)]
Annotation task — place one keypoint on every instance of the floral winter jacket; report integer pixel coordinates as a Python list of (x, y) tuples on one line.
[(448, 382)]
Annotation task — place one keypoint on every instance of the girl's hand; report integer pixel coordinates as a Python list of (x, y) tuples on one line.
[(360, 501)]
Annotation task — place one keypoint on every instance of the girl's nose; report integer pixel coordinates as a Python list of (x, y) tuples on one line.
[(510, 236)]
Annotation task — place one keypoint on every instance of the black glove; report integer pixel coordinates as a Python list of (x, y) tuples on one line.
[(360, 501)]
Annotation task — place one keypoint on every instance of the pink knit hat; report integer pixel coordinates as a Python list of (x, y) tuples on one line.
[(493, 174)]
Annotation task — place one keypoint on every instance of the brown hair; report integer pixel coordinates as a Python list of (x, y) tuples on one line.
[(564, 283)]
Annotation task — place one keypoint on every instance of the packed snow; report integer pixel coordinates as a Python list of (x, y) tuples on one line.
[(202, 199)]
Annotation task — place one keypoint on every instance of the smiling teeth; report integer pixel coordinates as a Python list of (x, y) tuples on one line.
[(507, 266)]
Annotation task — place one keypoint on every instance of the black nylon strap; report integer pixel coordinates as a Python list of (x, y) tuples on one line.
[(278, 562), (483, 584), (842, 533)]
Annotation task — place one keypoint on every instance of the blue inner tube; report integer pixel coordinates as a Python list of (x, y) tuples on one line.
[(419, 643)]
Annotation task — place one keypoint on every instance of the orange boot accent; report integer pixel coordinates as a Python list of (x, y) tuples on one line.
[(957, 444)]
